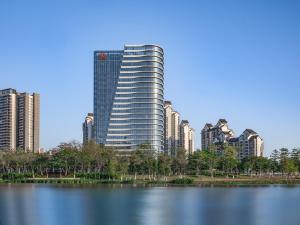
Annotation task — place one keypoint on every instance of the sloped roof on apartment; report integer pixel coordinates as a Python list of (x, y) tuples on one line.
[(250, 131), (222, 121), (168, 103), (235, 139)]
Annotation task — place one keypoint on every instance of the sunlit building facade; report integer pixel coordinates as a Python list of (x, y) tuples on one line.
[(187, 137), (19, 120), (172, 129), (129, 97), (249, 143), (217, 135)]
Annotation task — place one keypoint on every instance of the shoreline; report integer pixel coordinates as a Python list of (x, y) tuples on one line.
[(185, 181)]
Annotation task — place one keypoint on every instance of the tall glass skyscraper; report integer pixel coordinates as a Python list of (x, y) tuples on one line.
[(129, 97)]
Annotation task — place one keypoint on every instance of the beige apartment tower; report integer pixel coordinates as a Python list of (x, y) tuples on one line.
[(172, 129), (175, 128), (178, 134), (19, 120), (187, 137)]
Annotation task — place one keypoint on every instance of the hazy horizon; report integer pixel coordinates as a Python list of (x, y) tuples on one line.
[(223, 59)]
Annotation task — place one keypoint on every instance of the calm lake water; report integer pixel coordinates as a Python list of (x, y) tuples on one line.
[(112, 205)]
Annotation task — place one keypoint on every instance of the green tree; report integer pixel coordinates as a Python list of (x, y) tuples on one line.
[(164, 164), (288, 167), (41, 163), (295, 156), (274, 161), (109, 162), (135, 163), (122, 165), (261, 165), (194, 163), (283, 157), (283, 153), (210, 158), (179, 162), (229, 159), (148, 158), (248, 164)]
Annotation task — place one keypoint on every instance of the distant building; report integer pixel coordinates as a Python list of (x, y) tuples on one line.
[(206, 136), (88, 128), (187, 140), (172, 128), (19, 120), (217, 135), (249, 143), (191, 140), (168, 126), (175, 130)]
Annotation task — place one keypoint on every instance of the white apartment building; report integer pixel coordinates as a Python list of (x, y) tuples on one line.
[(218, 134), (249, 143)]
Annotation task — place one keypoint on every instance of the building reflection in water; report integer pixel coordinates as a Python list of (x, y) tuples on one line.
[(127, 205), (17, 204)]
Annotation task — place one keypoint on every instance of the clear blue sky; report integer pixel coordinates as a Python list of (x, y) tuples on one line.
[(238, 60)]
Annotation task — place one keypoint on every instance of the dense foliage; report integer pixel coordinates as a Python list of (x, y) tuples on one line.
[(93, 161)]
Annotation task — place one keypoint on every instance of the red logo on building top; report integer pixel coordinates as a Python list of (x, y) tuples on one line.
[(102, 56)]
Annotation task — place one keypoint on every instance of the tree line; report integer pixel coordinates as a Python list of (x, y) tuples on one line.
[(98, 162)]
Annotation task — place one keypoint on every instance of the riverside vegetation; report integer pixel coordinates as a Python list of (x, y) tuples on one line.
[(93, 163)]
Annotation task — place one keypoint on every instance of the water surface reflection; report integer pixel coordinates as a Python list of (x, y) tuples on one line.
[(114, 205)]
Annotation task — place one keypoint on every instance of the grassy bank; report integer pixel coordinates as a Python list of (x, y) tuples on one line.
[(246, 181), (181, 181)]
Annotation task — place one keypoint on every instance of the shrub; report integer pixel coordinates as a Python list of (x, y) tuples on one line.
[(184, 181), (16, 176)]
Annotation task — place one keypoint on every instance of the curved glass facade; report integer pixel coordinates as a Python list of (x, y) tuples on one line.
[(129, 96)]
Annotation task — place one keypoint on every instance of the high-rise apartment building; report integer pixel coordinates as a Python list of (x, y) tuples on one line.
[(128, 97), (168, 126), (249, 143), (8, 119), (19, 120), (218, 134), (88, 128), (191, 141), (172, 129), (175, 129), (187, 139)]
